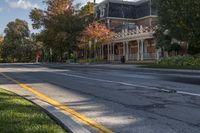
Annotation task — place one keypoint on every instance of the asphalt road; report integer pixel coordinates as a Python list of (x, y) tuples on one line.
[(124, 100)]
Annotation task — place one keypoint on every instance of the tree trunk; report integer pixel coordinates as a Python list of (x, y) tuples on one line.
[(69, 54), (61, 54), (162, 52)]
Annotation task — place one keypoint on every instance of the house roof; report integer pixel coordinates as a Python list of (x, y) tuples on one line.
[(123, 2)]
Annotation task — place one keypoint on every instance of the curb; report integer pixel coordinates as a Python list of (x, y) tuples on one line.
[(61, 118)]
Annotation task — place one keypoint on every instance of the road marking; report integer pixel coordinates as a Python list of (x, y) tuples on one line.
[(129, 84), (116, 82), (188, 93), (81, 118)]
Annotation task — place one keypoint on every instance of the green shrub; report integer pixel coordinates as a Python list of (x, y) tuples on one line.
[(197, 56), (96, 61), (180, 61)]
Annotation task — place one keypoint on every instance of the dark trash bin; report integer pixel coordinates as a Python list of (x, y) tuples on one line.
[(123, 59)]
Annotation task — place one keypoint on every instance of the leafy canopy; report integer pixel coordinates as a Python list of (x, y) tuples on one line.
[(181, 18), (17, 45), (62, 26), (96, 31)]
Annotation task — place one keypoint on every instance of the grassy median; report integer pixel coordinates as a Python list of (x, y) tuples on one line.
[(18, 115)]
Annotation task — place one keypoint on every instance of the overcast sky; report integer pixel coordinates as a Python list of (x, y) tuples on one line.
[(12, 9)]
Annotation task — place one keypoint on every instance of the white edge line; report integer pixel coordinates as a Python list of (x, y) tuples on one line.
[(127, 84), (188, 93)]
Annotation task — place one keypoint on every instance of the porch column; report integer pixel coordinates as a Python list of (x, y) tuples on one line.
[(108, 51), (124, 48), (113, 51), (142, 50), (127, 51), (138, 52), (102, 51), (158, 54), (99, 49), (108, 23)]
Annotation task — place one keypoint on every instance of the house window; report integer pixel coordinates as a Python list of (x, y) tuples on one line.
[(102, 11)]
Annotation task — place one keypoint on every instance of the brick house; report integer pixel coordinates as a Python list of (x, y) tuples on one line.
[(134, 24)]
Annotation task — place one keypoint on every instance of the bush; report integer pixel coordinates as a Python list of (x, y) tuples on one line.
[(180, 61), (96, 61)]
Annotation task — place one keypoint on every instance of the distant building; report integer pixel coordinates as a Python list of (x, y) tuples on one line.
[(134, 24)]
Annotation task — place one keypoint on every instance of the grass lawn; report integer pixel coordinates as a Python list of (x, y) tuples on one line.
[(171, 67), (18, 115)]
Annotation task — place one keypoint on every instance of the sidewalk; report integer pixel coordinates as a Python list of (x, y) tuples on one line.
[(61, 117)]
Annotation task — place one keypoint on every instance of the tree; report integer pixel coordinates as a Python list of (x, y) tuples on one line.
[(61, 27), (96, 33), (163, 40), (1, 40), (1, 44), (16, 45), (181, 18), (87, 14), (37, 16), (56, 7), (87, 10), (15, 35)]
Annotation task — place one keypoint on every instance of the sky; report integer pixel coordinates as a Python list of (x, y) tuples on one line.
[(12, 9)]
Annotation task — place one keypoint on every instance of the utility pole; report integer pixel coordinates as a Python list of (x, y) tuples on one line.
[(94, 1)]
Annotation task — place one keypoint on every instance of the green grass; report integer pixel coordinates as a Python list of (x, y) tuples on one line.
[(177, 62), (96, 61), (18, 115), (171, 67)]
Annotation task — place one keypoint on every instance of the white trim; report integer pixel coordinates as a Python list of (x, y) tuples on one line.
[(134, 37), (129, 19)]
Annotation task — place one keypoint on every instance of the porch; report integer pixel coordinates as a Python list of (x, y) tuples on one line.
[(132, 51), (134, 46)]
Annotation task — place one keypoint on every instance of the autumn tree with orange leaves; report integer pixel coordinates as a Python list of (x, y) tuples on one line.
[(1, 40), (98, 35), (56, 7), (60, 26), (97, 31)]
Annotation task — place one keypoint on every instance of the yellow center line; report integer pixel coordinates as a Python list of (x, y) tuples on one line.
[(81, 118)]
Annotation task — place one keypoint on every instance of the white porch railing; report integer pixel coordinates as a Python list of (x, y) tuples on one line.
[(139, 32), (133, 56), (117, 57)]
